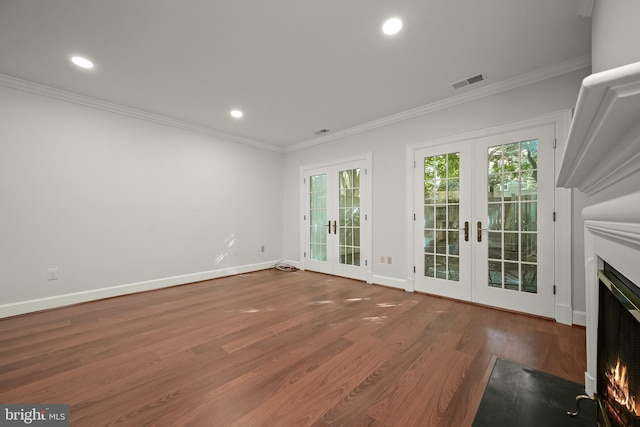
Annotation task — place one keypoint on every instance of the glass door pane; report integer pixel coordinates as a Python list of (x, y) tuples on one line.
[(349, 216), (512, 171), (441, 216), (443, 208), (514, 207), (318, 223), (335, 227)]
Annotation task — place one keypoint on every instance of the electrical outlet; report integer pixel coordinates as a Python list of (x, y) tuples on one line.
[(53, 273), (389, 259)]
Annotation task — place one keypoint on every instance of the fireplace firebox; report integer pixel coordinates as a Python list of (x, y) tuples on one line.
[(618, 351)]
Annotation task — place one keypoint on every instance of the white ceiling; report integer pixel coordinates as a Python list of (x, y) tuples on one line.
[(292, 66)]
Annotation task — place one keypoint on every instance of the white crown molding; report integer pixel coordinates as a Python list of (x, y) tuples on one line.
[(76, 98), (564, 67), (603, 147), (545, 73)]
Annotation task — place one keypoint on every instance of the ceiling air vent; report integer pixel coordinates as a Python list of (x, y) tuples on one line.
[(322, 131), (469, 81)]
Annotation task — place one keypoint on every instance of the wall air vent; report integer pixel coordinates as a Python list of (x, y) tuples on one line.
[(458, 85), (475, 79), (468, 81), (322, 131)]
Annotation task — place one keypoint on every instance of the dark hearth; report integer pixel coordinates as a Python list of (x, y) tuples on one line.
[(520, 396)]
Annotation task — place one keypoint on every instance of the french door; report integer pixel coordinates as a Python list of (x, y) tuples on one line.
[(486, 207), (334, 220), (443, 205)]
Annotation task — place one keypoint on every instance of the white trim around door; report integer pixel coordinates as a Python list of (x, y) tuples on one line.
[(334, 232), (562, 226)]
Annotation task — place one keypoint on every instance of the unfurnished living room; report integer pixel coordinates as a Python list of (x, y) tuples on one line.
[(320, 213)]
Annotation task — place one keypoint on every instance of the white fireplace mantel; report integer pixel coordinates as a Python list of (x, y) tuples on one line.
[(602, 159), (603, 146)]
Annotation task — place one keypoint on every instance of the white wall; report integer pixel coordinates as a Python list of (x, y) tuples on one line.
[(388, 176), (119, 204), (615, 33)]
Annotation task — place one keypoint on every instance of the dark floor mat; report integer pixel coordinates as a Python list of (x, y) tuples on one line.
[(521, 397)]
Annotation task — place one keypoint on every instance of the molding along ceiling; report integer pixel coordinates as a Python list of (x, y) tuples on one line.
[(291, 67), (574, 64)]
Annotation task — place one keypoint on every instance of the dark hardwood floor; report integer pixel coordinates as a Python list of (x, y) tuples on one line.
[(274, 348)]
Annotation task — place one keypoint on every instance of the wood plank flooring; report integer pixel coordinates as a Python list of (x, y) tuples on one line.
[(274, 348)]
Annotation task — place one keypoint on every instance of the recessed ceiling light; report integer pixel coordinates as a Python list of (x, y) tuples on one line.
[(236, 113), (392, 26), (82, 62)]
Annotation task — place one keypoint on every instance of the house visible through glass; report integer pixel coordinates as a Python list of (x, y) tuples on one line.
[(441, 216), (512, 216)]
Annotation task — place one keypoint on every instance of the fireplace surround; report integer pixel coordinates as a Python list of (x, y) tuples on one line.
[(602, 160)]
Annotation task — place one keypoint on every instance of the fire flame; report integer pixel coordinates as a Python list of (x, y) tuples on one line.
[(618, 388)]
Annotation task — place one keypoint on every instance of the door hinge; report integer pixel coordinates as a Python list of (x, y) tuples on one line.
[(414, 268), (555, 142), (414, 217), (304, 255), (304, 180), (554, 289), (365, 171), (365, 217), (304, 217), (365, 263), (414, 164), (554, 217)]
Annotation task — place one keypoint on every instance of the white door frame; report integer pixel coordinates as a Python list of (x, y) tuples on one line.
[(562, 240), (365, 214)]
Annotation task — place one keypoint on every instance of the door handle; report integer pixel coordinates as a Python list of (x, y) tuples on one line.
[(466, 231), (329, 227), (335, 227), (479, 231)]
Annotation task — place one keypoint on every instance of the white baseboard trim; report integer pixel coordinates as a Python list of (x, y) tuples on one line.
[(391, 282), (564, 314), (589, 384), (580, 318), (30, 306)]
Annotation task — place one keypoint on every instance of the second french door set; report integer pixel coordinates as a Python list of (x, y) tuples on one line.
[(484, 220), (335, 228)]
